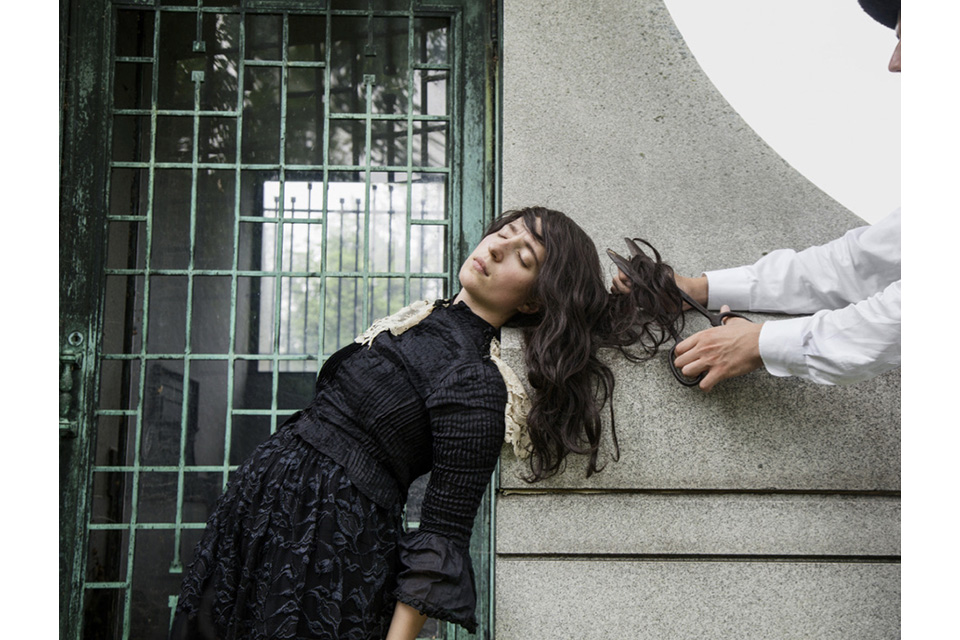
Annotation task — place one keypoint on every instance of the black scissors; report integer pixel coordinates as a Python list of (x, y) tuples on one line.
[(716, 319)]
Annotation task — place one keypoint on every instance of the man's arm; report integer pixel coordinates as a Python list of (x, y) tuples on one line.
[(830, 276), (852, 341), (841, 346), (853, 286)]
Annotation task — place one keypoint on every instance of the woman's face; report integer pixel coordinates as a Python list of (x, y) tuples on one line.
[(500, 273)]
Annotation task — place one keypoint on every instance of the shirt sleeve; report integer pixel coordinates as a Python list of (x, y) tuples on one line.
[(467, 421), (836, 347), (851, 268), (852, 288)]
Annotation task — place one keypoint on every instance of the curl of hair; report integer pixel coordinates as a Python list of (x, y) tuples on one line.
[(577, 316)]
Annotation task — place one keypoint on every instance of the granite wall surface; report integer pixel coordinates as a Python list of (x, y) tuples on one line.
[(768, 508)]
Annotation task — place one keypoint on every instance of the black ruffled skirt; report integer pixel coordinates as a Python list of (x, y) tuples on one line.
[(293, 550)]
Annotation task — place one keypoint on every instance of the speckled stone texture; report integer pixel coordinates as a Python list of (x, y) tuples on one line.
[(768, 508), (751, 433), (619, 599), (731, 524)]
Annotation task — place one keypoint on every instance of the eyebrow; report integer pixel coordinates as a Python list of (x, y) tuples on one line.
[(526, 239)]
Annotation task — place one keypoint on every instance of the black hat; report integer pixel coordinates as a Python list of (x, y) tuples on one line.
[(886, 12)]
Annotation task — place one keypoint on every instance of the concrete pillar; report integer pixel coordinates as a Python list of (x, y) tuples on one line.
[(768, 508)]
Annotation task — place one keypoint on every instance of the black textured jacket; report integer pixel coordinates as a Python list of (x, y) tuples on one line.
[(431, 400)]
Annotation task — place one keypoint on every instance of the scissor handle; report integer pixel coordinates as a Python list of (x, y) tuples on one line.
[(682, 379), (717, 320)]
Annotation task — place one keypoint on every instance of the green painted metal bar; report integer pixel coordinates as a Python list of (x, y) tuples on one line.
[(456, 242), (159, 468), (309, 212), (269, 167), (107, 585), (408, 169), (266, 63), (368, 82), (138, 431), (292, 8), (185, 113), (176, 566), (278, 247), (325, 196), (88, 524), (301, 274), (199, 356), (284, 76), (278, 272), (235, 274), (379, 117)]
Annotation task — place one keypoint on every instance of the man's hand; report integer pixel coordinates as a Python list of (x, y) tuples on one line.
[(723, 352), (621, 283)]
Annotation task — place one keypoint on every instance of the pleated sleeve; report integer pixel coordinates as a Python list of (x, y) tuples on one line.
[(467, 422)]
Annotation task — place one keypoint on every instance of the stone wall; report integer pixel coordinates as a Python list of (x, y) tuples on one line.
[(768, 508)]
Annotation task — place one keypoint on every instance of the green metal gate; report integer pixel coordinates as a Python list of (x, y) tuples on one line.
[(246, 186)]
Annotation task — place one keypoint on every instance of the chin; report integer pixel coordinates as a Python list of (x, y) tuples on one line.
[(465, 283)]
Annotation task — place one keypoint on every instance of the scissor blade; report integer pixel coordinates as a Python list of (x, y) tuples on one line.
[(693, 303), (624, 265), (634, 249), (712, 317)]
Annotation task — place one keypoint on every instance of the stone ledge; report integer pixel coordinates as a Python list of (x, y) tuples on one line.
[(640, 600), (706, 524)]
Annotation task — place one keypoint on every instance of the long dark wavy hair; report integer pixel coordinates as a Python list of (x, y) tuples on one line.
[(577, 316)]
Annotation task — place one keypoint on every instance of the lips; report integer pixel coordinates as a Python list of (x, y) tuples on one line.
[(480, 266)]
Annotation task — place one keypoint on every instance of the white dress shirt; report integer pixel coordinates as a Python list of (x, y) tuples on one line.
[(852, 288)]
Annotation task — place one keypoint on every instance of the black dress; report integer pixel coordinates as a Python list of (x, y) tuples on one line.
[(307, 539)]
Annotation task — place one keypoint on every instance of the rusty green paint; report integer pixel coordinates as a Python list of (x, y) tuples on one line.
[(82, 182)]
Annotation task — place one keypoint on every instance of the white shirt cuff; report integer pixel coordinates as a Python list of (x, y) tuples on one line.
[(781, 347), (729, 286)]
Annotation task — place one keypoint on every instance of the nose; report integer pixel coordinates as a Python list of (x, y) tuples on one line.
[(497, 248), (894, 65)]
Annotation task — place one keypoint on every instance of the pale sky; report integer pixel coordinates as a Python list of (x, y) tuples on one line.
[(811, 79)]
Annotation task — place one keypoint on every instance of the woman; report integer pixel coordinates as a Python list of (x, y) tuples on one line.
[(307, 539)]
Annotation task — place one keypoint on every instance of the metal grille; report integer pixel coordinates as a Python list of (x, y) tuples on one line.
[(281, 175)]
